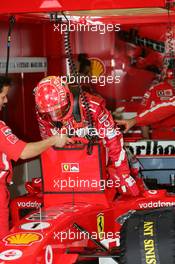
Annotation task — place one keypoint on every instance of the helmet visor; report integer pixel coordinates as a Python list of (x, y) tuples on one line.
[(59, 113)]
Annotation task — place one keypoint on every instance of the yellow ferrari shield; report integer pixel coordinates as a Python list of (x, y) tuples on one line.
[(100, 225), (66, 167)]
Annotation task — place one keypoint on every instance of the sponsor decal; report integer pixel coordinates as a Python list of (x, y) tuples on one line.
[(103, 118), (149, 245), (12, 138), (6, 131), (22, 239), (148, 228), (160, 93), (165, 93), (152, 147), (34, 226), (29, 204), (97, 67), (24, 64), (156, 204), (70, 167), (168, 92), (10, 254), (100, 225), (49, 255)]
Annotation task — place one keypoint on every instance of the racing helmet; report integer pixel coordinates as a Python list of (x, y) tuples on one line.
[(53, 97)]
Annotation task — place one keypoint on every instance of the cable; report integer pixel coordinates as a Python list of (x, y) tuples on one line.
[(11, 24), (73, 70)]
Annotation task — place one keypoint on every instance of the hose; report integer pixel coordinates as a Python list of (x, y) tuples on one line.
[(73, 70)]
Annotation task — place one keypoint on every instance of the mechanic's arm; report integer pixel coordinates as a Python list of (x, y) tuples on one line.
[(36, 148), (155, 114), (127, 123), (145, 132)]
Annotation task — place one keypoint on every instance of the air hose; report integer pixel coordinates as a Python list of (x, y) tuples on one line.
[(74, 72)]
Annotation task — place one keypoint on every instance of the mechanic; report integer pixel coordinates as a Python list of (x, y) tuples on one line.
[(155, 114), (54, 103), (158, 94), (12, 148)]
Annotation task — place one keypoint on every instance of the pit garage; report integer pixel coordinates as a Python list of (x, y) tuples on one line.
[(106, 196)]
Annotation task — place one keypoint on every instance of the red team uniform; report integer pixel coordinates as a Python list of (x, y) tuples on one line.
[(154, 100), (157, 113), (10, 149)]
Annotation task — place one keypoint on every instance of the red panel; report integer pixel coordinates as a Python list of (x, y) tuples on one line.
[(18, 6), (54, 50), (27, 40), (31, 130), (15, 111)]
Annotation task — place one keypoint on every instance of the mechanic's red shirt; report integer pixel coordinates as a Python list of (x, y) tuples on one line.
[(10, 149), (157, 96)]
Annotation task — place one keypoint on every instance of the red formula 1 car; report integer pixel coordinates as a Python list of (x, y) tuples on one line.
[(32, 200), (84, 220)]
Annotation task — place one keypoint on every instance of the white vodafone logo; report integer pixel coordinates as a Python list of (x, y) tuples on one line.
[(35, 226), (49, 255), (10, 254)]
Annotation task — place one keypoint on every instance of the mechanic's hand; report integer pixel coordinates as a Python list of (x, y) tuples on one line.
[(62, 140), (127, 123)]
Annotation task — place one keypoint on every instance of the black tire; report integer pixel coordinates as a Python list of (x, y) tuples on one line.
[(148, 237)]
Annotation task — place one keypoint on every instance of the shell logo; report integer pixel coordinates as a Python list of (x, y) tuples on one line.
[(97, 67), (22, 239)]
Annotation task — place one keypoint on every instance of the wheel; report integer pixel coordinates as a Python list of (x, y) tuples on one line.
[(148, 237)]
